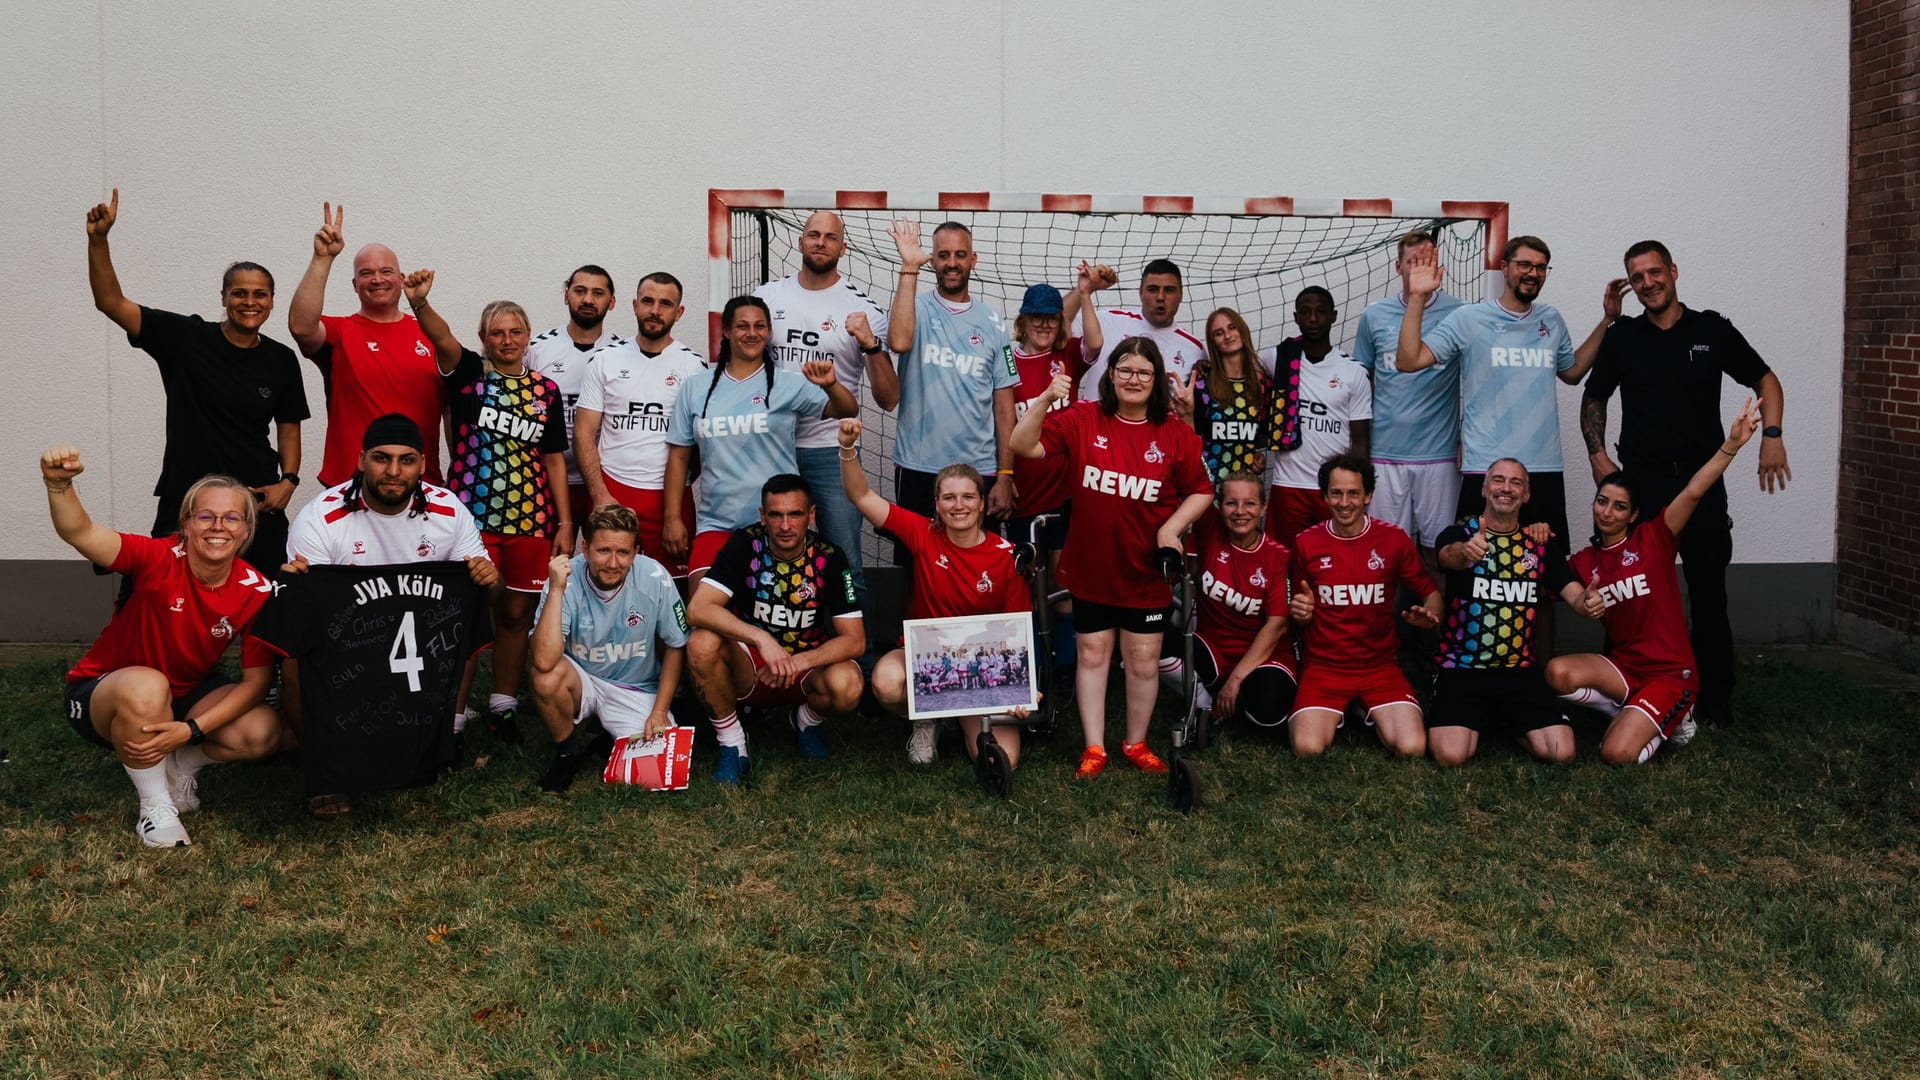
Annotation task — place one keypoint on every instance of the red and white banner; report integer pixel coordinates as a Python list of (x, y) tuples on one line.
[(657, 764)]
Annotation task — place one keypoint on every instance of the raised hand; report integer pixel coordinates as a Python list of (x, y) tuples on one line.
[(1105, 276), (1592, 604), (862, 330), (1060, 389), (850, 430), (1612, 295), (1301, 605), (1424, 272), (60, 465), (100, 219), (906, 238), (819, 372), (328, 240), (418, 284), (1183, 398)]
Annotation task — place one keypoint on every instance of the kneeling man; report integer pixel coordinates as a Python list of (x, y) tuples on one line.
[(777, 623)]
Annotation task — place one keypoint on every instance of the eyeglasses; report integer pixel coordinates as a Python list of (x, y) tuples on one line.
[(1527, 266), (1122, 374), (206, 518)]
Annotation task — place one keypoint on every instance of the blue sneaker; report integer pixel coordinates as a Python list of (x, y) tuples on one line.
[(812, 743), (732, 768)]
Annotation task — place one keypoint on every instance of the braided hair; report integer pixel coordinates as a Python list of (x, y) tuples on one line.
[(726, 347)]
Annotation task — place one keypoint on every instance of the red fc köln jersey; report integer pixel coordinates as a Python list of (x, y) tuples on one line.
[(1355, 585), (949, 580), (1240, 588), (1646, 626), (172, 623)]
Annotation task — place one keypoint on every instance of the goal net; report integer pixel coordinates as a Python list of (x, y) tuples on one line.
[(1253, 255)]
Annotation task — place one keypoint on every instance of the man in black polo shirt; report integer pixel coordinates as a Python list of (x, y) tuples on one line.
[(1667, 364), (226, 385)]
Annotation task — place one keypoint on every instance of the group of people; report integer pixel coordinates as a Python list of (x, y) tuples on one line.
[(641, 517)]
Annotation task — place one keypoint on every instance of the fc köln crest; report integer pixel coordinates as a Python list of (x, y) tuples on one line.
[(1374, 561)]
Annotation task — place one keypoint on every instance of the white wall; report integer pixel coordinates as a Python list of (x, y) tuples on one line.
[(503, 144)]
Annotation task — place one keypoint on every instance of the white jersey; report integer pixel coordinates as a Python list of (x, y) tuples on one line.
[(634, 395), (333, 531), (1180, 350), (811, 324), (1333, 394), (554, 355)]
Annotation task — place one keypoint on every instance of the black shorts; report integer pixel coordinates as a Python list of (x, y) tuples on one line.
[(80, 703), (1546, 501), (1092, 618), (1505, 700)]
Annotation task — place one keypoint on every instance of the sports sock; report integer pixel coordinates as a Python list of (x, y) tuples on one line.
[(499, 703), (727, 729), (804, 717), (1590, 698), (189, 760), (151, 783), (1646, 752), (1202, 697), (460, 721)]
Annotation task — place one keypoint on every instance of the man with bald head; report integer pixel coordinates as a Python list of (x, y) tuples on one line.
[(818, 315), (375, 361)]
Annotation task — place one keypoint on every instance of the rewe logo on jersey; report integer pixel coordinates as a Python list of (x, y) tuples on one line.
[(1111, 482), (1353, 595), (1374, 561), (1503, 591), (1499, 356), (781, 617), (1222, 591), (1625, 589), (516, 427), (969, 364), (715, 427), (612, 652), (1232, 431)]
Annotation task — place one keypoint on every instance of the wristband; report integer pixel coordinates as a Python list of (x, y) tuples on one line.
[(905, 269), (291, 478), (1003, 472), (61, 490), (197, 737), (1771, 431), (1728, 452), (877, 349)]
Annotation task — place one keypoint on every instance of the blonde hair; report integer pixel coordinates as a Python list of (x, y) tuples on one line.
[(189, 503)]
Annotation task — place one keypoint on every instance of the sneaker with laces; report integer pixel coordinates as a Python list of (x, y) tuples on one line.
[(1684, 732), (160, 826), (1092, 761), (813, 743), (733, 767), (185, 788), (1143, 759), (505, 725), (921, 744)]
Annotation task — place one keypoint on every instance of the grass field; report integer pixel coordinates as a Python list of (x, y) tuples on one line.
[(1746, 907)]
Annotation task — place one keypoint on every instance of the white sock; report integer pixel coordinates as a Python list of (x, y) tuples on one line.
[(189, 760), (1202, 697), (727, 729), (460, 721), (151, 783), (804, 717), (499, 703), (1646, 752), (1593, 699)]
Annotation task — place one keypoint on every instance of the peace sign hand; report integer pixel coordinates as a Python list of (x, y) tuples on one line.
[(328, 240)]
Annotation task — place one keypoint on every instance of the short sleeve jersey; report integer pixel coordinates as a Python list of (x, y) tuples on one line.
[(960, 357), (555, 355), (1416, 414), (222, 400), (1128, 476), (1334, 392), (1240, 588), (337, 530), (502, 425), (811, 324), (1509, 382), (612, 637), (1231, 417), (371, 369), (745, 434), (1042, 482), (1179, 350), (1669, 383), (1354, 582), (635, 396), (1493, 605), (173, 623), (1646, 623), (950, 580), (795, 600)]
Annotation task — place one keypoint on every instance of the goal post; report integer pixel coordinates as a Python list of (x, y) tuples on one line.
[(1251, 254)]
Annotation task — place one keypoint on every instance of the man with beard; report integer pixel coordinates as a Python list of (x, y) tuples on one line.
[(1509, 349), (625, 410), (1160, 292), (375, 361), (563, 353), (818, 315)]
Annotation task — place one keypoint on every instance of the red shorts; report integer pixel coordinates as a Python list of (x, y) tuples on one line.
[(705, 547), (762, 695), (649, 506), (522, 560), (1330, 688), (1665, 698), (1290, 510)]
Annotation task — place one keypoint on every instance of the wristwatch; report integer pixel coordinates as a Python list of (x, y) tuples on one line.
[(197, 737), (291, 478), (1771, 431)]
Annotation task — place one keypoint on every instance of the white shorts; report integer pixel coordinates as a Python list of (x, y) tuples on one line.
[(622, 710), (1420, 498)]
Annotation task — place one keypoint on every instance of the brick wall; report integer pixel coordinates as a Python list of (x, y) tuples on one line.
[(1877, 575)]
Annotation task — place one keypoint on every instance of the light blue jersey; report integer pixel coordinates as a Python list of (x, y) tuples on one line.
[(744, 437), (1416, 414), (1509, 387), (612, 638), (947, 384)]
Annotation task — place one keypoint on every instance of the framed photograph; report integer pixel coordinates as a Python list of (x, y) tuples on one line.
[(970, 665)]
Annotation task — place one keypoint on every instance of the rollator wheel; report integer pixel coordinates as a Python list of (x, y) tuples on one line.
[(1183, 785), (991, 769)]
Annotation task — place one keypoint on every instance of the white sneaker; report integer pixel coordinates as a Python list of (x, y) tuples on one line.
[(1683, 734), (160, 827), (920, 745), (184, 786)]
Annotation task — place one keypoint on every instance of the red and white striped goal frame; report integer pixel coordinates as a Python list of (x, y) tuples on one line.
[(721, 202)]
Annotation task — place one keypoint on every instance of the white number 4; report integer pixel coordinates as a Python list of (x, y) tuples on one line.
[(404, 657)]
